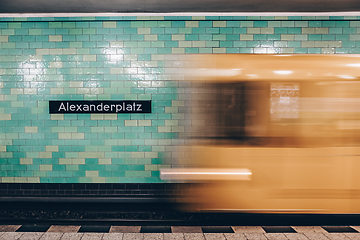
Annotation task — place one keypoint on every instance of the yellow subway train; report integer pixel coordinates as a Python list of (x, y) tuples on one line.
[(272, 133)]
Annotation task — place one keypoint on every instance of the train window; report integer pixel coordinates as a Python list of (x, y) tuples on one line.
[(231, 108), (232, 111), (284, 100)]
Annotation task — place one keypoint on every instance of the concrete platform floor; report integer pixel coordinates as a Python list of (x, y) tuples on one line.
[(175, 236), (58, 232)]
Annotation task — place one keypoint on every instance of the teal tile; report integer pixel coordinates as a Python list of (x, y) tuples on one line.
[(118, 174), (260, 23), (294, 30), (58, 167), (260, 37), (102, 31), (137, 37), (22, 31), (173, 135), (46, 180), (91, 161), (342, 24), (348, 44), (105, 174), (16, 39), (124, 167), (300, 50), (78, 174), (314, 50), (164, 37), (164, 50), (232, 37), (131, 135), (336, 30), (71, 180), (130, 30), (191, 37), (155, 173), (354, 50), (288, 24), (315, 23), (144, 135), (246, 50), (118, 161), (328, 37), (342, 50), (226, 30), (295, 44), (172, 30), (157, 135), (251, 44), (172, 44), (212, 30), (123, 24), (212, 17), (95, 24), (212, 43), (280, 30), (233, 24), (165, 24), (199, 30), (138, 168), (328, 23), (226, 44), (205, 24), (203, 37), (228, 18), (349, 30), (342, 37), (267, 44), (314, 37), (82, 24), (244, 24), (153, 129)]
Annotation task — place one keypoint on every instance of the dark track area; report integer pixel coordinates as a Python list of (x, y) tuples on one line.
[(154, 214)]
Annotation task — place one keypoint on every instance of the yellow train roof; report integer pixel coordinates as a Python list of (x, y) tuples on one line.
[(263, 67)]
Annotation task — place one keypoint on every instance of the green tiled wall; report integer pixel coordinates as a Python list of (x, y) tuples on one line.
[(116, 58)]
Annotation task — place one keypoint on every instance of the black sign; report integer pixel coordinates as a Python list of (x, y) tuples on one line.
[(79, 107)]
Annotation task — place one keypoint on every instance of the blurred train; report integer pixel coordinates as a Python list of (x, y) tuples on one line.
[(272, 133)]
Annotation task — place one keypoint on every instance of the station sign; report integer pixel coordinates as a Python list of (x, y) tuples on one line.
[(101, 107)]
